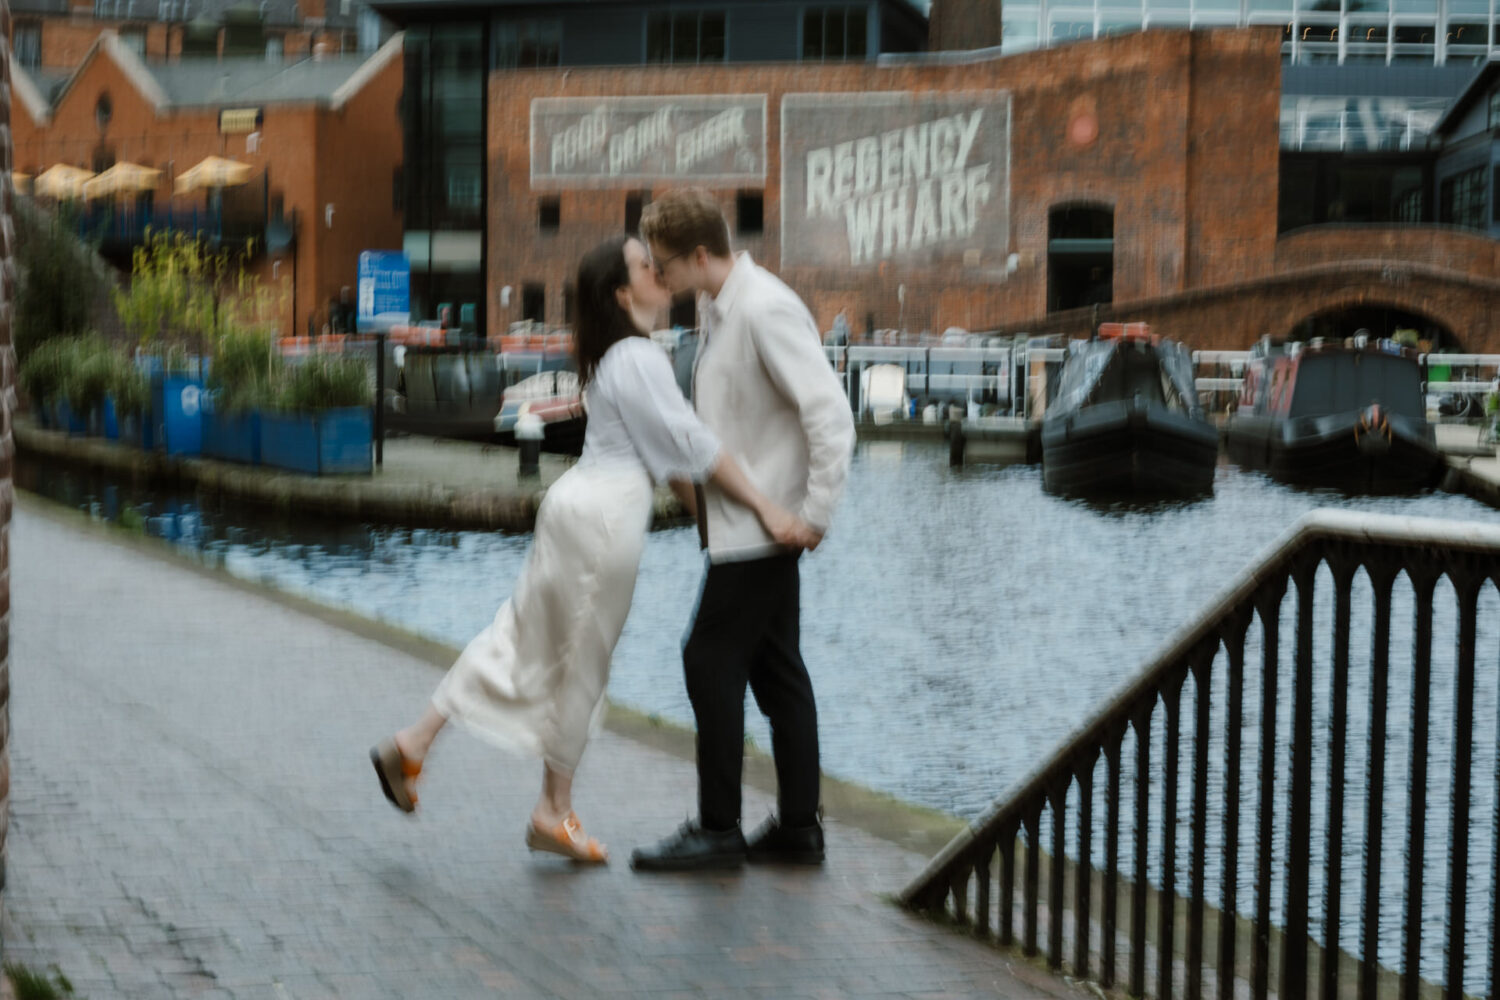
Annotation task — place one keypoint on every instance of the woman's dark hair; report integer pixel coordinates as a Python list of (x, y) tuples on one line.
[(601, 320)]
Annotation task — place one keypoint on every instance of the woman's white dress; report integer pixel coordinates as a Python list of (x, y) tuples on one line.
[(534, 680)]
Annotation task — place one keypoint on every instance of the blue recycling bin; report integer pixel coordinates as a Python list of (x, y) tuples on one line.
[(177, 414)]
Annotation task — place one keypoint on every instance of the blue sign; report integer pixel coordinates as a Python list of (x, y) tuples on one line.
[(384, 290)]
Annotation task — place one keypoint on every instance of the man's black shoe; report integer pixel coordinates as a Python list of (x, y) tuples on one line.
[(692, 848), (789, 845)]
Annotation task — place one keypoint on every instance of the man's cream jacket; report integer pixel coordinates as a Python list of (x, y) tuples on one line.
[(762, 383)]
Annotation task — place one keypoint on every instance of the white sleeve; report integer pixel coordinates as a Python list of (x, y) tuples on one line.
[(668, 436), (787, 340)]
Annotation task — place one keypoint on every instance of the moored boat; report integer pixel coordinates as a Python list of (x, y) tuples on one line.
[(1346, 414), (1126, 419)]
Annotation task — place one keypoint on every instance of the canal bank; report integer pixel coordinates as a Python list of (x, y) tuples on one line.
[(462, 485)]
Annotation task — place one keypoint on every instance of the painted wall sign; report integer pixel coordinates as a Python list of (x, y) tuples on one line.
[(911, 177), (628, 141)]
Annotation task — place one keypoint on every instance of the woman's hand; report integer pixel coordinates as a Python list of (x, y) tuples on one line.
[(787, 529)]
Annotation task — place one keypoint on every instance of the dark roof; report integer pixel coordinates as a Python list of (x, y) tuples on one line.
[(1477, 88), (252, 80), (49, 81)]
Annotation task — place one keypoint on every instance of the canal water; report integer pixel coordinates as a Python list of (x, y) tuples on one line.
[(958, 625)]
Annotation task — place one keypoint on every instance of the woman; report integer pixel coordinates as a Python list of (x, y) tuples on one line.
[(534, 680)]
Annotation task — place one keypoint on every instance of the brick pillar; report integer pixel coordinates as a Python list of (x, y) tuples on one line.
[(7, 407), (963, 24)]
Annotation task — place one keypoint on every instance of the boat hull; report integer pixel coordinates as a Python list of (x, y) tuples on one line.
[(1336, 451), (1128, 447)]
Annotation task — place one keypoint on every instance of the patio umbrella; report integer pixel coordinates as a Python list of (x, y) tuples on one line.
[(21, 181), (122, 178), (61, 182), (214, 172)]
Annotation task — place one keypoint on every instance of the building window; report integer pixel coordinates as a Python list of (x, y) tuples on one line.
[(549, 214), (750, 213), (369, 30), (134, 39), (104, 110), (534, 303), (685, 39), (833, 33), (27, 45), (1494, 118), (1409, 206), (1495, 210), (275, 48), (635, 202), (1462, 199), (528, 44), (463, 186)]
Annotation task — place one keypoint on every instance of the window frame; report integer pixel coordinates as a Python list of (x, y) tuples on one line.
[(663, 50), (845, 13)]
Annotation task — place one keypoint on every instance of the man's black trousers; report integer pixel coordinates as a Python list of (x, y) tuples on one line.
[(746, 631)]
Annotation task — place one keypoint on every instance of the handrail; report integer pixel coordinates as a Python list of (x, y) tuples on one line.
[(1385, 546)]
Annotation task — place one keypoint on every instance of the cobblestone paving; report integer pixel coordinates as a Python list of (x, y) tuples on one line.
[(193, 815)]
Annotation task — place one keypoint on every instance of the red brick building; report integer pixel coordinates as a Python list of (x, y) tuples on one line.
[(322, 139), (1141, 171), (1136, 176)]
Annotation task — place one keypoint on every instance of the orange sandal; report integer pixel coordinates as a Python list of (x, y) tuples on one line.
[(396, 773), (568, 839)]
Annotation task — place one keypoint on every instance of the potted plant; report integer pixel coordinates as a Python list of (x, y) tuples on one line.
[(86, 383), (242, 376), (41, 376), (320, 421), (127, 408)]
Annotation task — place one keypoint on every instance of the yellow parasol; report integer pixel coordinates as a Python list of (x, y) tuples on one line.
[(21, 181), (122, 178), (214, 172), (61, 182)]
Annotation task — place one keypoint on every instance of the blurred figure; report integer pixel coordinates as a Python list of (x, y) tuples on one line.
[(534, 680)]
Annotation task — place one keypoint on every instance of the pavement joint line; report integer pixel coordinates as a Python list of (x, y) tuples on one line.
[(915, 828)]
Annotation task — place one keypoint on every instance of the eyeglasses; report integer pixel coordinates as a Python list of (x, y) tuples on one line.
[(661, 265)]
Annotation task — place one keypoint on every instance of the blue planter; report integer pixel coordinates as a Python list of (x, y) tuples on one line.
[(111, 420), (69, 421), (329, 442), (177, 414), (232, 436)]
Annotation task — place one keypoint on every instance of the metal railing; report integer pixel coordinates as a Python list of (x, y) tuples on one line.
[(1295, 818)]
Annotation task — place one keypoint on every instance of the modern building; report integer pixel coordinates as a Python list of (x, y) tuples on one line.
[(319, 141), (1142, 172)]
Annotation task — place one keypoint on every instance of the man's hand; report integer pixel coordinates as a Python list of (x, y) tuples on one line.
[(789, 530)]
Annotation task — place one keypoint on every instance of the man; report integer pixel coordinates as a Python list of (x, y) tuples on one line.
[(762, 383)]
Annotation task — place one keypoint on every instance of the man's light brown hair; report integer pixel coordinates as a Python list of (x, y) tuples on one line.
[(683, 220)]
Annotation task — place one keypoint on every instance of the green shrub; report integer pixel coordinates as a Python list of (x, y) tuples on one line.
[(89, 375), (324, 382), (128, 386), (59, 279), (244, 370), (45, 368), (29, 984)]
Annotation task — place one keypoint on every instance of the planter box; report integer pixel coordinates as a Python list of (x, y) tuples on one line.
[(176, 414), (329, 442), (111, 420), (69, 421), (234, 437)]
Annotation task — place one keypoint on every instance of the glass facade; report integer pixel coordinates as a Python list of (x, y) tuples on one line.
[(1377, 32), (443, 101)]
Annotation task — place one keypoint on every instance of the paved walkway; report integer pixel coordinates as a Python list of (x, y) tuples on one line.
[(193, 815)]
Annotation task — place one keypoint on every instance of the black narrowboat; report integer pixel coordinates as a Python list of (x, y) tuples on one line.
[(1348, 414), (1126, 419)]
